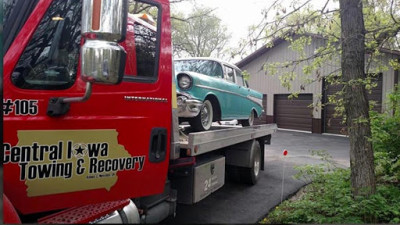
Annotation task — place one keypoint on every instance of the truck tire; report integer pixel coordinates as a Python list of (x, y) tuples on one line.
[(244, 174)]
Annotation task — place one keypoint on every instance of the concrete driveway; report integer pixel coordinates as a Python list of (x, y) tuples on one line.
[(239, 203)]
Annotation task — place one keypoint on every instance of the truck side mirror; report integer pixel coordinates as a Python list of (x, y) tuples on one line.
[(103, 26), (102, 62), (102, 58)]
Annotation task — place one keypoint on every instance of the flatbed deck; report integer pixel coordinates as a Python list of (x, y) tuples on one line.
[(220, 136)]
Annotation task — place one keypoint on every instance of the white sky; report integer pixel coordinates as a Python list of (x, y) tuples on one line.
[(236, 15), (239, 15)]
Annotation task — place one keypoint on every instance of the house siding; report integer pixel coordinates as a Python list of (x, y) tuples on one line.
[(270, 85)]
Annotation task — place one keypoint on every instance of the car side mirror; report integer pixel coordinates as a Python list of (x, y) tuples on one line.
[(247, 84)]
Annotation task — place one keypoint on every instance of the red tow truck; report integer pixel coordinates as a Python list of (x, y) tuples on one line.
[(90, 132)]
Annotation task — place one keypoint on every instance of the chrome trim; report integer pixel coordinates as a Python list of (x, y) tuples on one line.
[(250, 97), (145, 99), (188, 107), (129, 214), (216, 89), (112, 24), (102, 62), (255, 100), (84, 98)]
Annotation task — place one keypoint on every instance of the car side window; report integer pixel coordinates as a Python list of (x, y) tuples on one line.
[(239, 78), (229, 74), (217, 70), (50, 60)]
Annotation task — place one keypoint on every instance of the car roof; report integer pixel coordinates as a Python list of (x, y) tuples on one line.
[(211, 59)]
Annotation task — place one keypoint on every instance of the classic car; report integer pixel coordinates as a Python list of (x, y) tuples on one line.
[(211, 90)]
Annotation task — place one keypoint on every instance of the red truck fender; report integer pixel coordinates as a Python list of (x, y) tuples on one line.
[(9, 212)]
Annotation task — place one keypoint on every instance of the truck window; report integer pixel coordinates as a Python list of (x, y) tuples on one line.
[(50, 60), (142, 41), (16, 12)]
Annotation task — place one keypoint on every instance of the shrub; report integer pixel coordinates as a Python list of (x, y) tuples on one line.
[(386, 140), (328, 199)]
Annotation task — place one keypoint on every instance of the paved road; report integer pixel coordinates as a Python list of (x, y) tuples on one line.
[(239, 203)]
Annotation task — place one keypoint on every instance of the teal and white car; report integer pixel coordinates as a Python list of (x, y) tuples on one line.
[(211, 90)]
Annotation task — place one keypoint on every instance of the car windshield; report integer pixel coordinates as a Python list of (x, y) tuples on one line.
[(206, 67)]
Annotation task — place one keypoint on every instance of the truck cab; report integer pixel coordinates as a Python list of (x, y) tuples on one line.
[(111, 146), (90, 131)]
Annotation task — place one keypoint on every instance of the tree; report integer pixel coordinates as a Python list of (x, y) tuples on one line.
[(354, 97), (347, 37), (200, 34)]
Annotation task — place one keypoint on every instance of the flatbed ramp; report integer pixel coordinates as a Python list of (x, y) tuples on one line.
[(221, 136)]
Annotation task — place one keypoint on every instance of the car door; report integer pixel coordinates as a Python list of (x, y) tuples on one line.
[(114, 145), (232, 109), (244, 92)]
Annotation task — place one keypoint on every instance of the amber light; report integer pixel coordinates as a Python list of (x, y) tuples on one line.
[(96, 14)]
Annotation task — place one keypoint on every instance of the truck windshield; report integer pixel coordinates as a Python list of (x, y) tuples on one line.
[(50, 59), (16, 12)]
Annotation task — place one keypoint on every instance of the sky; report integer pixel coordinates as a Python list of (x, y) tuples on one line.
[(239, 15), (236, 15)]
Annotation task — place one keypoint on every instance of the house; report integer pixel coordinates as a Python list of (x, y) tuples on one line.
[(296, 113)]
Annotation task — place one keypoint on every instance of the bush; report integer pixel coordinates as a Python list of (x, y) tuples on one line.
[(329, 199), (386, 140)]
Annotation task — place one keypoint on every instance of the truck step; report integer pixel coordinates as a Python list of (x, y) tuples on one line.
[(84, 214)]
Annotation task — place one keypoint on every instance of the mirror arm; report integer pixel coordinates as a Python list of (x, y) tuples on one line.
[(59, 106), (84, 98)]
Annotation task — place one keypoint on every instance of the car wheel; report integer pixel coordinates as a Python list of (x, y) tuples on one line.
[(249, 121), (203, 121)]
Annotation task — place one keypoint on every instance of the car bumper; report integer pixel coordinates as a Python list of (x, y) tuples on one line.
[(188, 107)]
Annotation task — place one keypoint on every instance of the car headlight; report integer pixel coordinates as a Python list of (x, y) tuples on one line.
[(184, 81)]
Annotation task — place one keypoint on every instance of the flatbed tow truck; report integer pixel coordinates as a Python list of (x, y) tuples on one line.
[(90, 127)]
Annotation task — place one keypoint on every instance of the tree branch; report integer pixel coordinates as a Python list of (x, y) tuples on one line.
[(391, 12)]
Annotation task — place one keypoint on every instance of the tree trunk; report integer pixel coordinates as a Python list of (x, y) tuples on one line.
[(355, 101)]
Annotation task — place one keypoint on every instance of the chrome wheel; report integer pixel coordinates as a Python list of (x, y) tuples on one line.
[(256, 166), (203, 121), (251, 118), (206, 115), (249, 121)]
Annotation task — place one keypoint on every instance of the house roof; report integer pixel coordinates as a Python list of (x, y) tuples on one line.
[(258, 53), (279, 40)]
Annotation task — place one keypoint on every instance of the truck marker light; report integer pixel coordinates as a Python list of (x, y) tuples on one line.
[(57, 18), (96, 13)]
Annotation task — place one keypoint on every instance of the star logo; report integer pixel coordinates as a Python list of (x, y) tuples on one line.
[(80, 149)]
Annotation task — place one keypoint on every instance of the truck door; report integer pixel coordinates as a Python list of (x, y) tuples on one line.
[(114, 145)]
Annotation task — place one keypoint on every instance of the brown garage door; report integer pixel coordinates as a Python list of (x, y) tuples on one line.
[(293, 114), (333, 124)]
